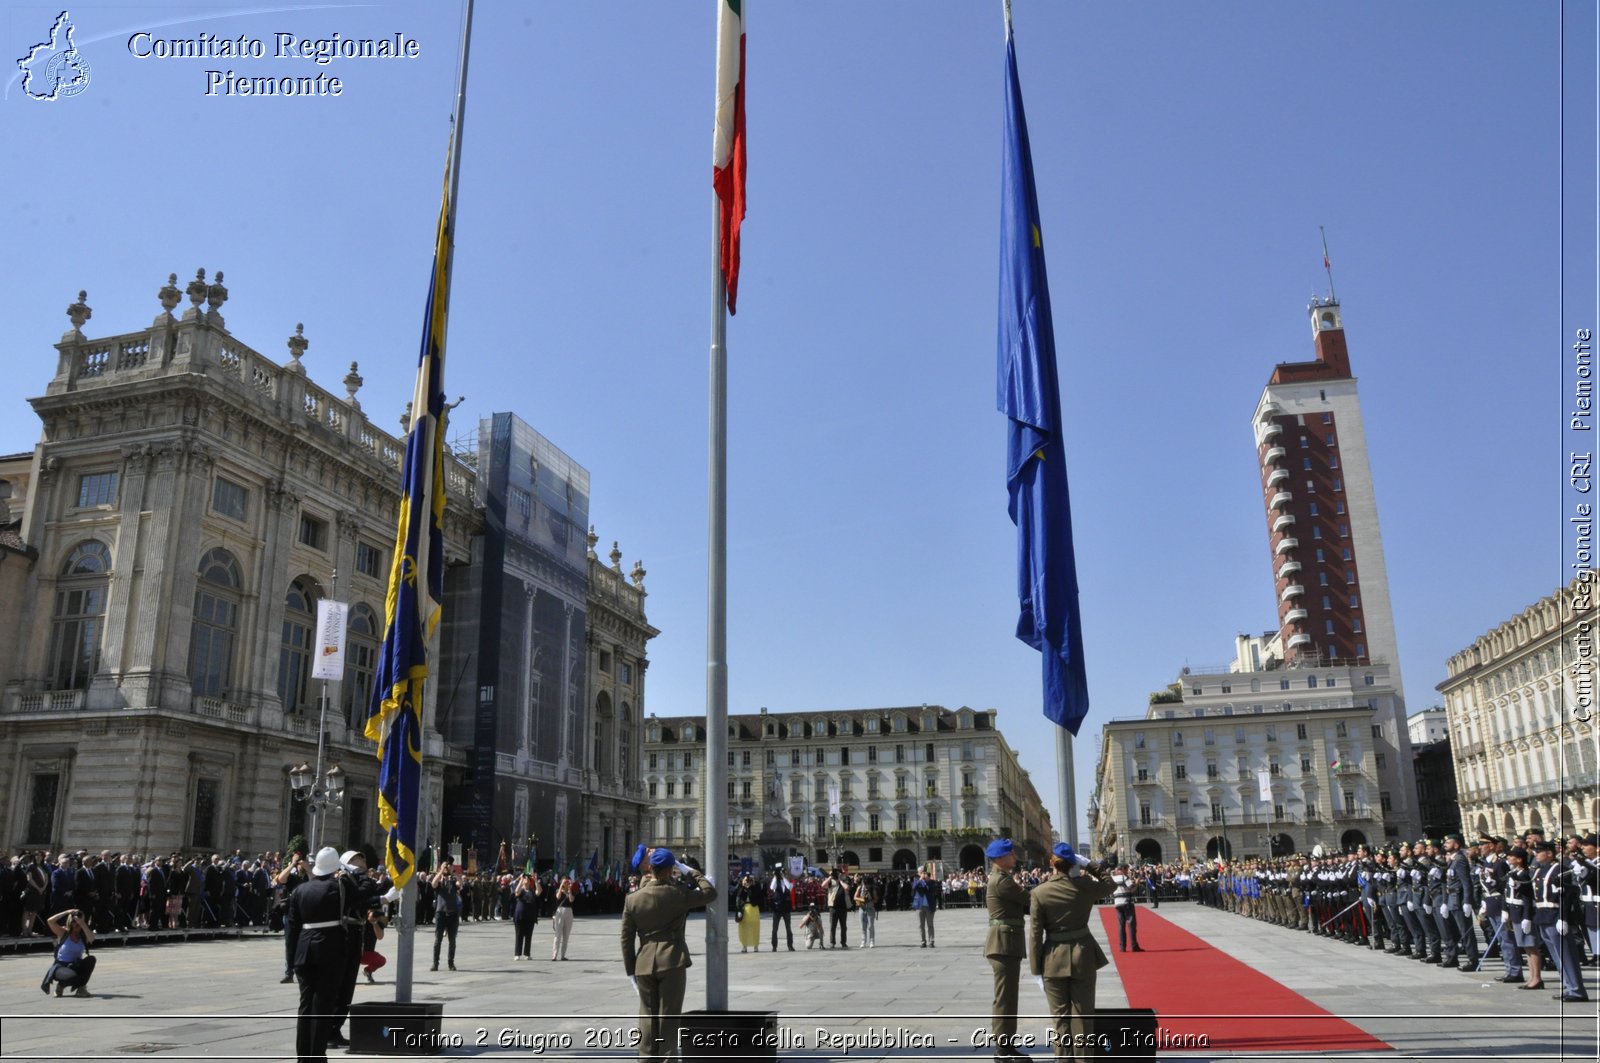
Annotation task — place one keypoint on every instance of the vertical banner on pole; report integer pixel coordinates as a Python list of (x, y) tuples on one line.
[(331, 623)]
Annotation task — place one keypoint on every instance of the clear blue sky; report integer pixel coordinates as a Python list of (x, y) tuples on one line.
[(1185, 156)]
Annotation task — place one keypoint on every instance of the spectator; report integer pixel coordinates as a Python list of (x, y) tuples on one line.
[(747, 912), (525, 916), (73, 966), (924, 900), (561, 919)]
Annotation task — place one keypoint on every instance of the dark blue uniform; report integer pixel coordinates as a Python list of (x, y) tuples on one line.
[(315, 921)]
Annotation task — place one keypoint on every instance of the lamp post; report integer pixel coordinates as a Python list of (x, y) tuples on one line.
[(319, 790)]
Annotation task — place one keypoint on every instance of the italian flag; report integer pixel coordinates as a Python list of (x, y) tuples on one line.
[(1335, 764), (728, 148)]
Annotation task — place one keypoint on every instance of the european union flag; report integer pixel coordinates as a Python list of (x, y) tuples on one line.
[(416, 583), (1036, 463)]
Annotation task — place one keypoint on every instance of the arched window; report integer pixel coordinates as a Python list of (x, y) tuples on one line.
[(360, 662), (216, 622), (294, 658), (80, 616)]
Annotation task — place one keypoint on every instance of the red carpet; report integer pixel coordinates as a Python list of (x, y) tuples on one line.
[(1197, 990)]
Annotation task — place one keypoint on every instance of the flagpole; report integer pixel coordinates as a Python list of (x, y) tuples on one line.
[(716, 784), (405, 950), (1327, 264)]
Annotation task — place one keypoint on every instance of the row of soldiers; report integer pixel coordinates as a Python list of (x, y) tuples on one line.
[(1430, 899)]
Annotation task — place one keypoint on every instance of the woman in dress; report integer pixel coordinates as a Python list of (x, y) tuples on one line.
[(525, 915), (561, 919), (747, 906)]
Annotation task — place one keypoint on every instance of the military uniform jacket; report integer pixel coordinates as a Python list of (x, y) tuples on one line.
[(1062, 946), (655, 914), (1008, 907), (1459, 882), (315, 922)]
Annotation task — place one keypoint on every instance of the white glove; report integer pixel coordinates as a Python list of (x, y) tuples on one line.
[(1444, 910), (1505, 917), (1411, 906), (1579, 872), (683, 868), (1039, 981), (1080, 859), (1561, 927), (1527, 926), (711, 880), (1074, 872), (392, 896)]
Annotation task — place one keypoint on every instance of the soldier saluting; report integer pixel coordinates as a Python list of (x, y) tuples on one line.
[(658, 961), (1064, 954), (1005, 946)]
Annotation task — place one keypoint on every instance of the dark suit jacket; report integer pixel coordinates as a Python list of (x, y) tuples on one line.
[(320, 901)]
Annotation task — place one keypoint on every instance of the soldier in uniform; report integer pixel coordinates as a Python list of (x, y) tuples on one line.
[(1005, 946), (1459, 902), (1586, 876), (658, 961), (1556, 913), (1408, 895), (1064, 954), (315, 919)]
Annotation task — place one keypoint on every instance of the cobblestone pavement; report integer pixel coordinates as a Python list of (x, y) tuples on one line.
[(221, 1000)]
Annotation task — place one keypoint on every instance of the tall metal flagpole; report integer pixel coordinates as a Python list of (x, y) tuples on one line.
[(716, 782), (405, 950), (1066, 773)]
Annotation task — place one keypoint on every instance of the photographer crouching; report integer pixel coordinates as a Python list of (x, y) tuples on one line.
[(73, 965)]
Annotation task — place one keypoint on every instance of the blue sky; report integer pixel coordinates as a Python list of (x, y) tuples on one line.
[(1185, 155)]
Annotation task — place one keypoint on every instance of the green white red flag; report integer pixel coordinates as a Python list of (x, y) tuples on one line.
[(728, 147)]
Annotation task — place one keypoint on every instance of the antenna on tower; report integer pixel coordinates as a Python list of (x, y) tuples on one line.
[(1327, 265)]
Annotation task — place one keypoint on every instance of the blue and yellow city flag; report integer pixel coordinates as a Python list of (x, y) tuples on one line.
[(416, 582), (1036, 461)]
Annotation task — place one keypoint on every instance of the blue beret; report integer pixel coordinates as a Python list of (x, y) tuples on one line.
[(998, 848), (662, 858), (638, 857), (1065, 851)]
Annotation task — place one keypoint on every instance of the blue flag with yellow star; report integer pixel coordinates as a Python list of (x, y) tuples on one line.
[(416, 583), (1036, 463)]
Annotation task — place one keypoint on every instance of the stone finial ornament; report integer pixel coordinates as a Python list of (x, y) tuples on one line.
[(593, 538), (405, 421), (170, 295), (197, 288), (616, 556), (297, 346), (216, 294), (352, 384), (637, 575), (79, 312)]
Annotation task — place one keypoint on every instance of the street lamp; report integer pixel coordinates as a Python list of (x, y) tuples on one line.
[(320, 791)]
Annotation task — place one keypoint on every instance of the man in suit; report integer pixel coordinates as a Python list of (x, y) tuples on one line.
[(315, 921), (1005, 946), (838, 898), (781, 895), (658, 961), (1064, 953)]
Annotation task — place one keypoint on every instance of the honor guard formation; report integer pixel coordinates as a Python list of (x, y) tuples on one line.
[(1528, 905)]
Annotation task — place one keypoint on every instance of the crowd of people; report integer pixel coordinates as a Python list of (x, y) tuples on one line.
[(1532, 902)]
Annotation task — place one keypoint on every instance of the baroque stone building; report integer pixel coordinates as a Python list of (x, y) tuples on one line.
[(911, 784), (1520, 704), (1259, 757), (189, 502)]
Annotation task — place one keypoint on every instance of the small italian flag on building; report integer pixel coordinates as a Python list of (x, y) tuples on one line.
[(1335, 764), (728, 148)]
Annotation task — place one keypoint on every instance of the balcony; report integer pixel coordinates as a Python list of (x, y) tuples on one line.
[(1352, 815), (1281, 499), (1296, 641), (1277, 477), (1269, 411), (1287, 543), (1283, 521), (1146, 780), (51, 701), (1294, 616), (1293, 590), (1275, 454), (1269, 431), (1351, 768)]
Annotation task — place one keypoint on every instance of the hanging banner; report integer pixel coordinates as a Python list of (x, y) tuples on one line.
[(797, 867), (833, 800), (329, 661), (1265, 780)]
